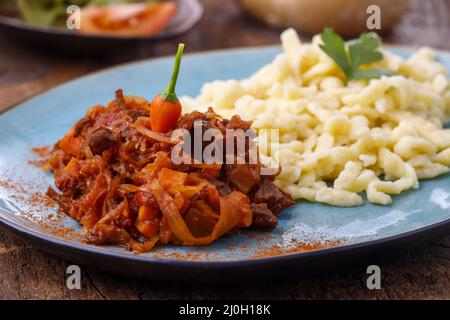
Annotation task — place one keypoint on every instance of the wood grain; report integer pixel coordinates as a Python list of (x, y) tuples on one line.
[(27, 273)]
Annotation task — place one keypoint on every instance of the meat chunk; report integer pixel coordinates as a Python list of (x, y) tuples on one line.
[(262, 216), (200, 222), (120, 99), (101, 140), (222, 187), (134, 114), (276, 199), (243, 176), (237, 123), (187, 121), (80, 125)]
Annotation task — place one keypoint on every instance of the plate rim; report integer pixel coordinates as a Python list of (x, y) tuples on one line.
[(100, 251), (45, 238)]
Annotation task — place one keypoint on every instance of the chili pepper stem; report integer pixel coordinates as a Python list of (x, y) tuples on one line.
[(169, 92)]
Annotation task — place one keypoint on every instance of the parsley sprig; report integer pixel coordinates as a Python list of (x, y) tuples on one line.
[(356, 53)]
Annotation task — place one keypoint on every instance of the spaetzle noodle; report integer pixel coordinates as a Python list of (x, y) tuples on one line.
[(338, 140)]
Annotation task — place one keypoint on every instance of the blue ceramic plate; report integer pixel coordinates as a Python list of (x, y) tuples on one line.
[(308, 235)]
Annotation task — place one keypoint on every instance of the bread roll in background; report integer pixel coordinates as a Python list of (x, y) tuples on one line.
[(346, 17)]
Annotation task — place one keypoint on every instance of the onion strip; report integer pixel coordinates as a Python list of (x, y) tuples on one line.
[(228, 219), (154, 135)]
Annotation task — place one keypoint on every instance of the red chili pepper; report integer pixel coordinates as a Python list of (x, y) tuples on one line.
[(166, 108)]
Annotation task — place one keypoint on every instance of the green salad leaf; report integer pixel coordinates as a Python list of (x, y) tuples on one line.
[(53, 13), (42, 12), (350, 57)]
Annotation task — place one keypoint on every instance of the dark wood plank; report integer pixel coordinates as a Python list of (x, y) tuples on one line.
[(27, 273)]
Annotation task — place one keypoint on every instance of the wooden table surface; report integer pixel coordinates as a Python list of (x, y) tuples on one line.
[(27, 273)]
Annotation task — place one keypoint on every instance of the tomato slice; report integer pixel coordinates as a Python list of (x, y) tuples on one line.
[(137, 19)]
